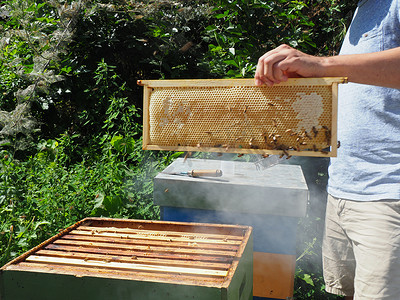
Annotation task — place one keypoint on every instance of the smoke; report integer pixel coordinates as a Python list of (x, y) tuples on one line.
[(311, 227), (268, 194)]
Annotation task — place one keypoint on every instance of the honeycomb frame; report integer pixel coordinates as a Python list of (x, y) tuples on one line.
[(296, 117)]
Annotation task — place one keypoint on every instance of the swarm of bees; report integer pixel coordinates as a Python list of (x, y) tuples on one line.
[(275, 137), (274, 141)]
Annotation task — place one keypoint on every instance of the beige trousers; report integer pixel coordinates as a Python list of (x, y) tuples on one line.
[(361, 249)]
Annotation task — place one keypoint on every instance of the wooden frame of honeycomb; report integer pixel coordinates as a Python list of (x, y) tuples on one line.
[(297, 117)]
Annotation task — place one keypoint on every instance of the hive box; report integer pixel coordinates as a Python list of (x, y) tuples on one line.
[(99, 259), (271, 200), (247, 187)]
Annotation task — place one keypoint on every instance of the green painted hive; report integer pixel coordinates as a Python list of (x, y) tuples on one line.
[(98, 259)]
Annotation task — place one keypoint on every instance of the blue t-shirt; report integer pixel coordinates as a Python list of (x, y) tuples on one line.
[(367, 166)]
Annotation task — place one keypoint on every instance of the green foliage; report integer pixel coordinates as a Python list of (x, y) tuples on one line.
[(70, 108), (40, 196), (54, 188), (34, 36)]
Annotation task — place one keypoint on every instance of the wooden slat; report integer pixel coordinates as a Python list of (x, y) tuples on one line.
[(171, 242), (124, 266), (208, 237), (136, 259), (166, 238), (146, 117), (334, 119), (236, 82), (132, 252), (170, 227), (238, 151), (78, 271), (148, 248)]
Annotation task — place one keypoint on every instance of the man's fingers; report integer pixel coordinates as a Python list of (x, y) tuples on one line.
[(279, 75), (269, 66), (260, 77)]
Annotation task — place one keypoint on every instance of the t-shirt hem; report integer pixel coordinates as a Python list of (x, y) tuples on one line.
[(360, 197)]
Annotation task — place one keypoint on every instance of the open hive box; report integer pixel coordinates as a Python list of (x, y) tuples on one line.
[(297, 117), (131, 259)]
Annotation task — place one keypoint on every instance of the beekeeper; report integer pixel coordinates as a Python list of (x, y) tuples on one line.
[(361, 246)]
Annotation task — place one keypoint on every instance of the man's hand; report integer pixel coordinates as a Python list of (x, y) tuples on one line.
[(283, 62), (377, 68)]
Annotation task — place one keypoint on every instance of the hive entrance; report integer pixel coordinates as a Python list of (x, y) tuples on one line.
[(296, 117)]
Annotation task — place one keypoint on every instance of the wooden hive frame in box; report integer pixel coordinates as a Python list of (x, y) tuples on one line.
[(297, 117), (144, 259)]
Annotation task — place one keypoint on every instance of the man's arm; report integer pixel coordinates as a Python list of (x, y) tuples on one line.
[(378, 68)]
